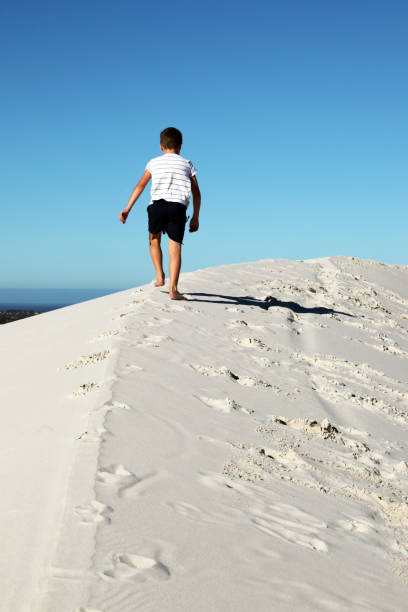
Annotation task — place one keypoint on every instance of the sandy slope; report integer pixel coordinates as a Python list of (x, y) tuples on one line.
[(245, 450)]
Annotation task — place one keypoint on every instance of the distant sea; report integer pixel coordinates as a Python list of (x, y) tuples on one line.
[(43, 300)]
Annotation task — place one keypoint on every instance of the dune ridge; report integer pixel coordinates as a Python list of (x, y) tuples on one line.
[(245, 449)]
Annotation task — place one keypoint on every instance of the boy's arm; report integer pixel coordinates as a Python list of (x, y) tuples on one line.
[(138, 190), (195, 190)]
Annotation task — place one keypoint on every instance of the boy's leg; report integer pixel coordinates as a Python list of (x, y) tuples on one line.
[(157, 258), (174, 267)]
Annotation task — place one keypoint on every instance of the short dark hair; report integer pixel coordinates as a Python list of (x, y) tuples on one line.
[(171, 138)]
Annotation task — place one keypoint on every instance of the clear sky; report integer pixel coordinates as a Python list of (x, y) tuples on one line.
[(294, 113)]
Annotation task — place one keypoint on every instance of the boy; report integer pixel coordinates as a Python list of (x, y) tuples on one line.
[(173, 178)]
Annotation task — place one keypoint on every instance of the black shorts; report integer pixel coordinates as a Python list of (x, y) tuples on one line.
[(167, 217)]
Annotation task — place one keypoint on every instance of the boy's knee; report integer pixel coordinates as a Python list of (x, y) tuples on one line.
[(174, 247), (153, 237)]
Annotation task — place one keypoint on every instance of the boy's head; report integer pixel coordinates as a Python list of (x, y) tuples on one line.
[(171, 139)]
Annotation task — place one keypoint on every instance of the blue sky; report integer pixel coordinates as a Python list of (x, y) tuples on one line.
[(293, 113)]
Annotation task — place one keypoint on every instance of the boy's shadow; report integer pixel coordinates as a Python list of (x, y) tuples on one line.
[(268, 302)]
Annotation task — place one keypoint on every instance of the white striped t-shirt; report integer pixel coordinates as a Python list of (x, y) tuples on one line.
[(171, 178)]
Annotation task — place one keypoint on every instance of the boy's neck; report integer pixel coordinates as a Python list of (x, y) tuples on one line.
[(165, 151)]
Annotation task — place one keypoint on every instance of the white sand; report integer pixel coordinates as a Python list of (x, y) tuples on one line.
[(246, 450)]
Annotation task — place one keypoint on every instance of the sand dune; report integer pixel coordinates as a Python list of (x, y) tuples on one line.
[(243, 450)]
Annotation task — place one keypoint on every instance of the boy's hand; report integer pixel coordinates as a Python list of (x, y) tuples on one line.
[(194, 225), (138, 190), (123, 216)]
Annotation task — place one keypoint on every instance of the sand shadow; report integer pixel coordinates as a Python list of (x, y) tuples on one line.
[(268, 302)]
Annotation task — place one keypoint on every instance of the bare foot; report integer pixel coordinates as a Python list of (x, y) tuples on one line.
[(159, 282), (175, 295)]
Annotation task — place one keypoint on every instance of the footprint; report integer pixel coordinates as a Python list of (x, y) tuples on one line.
[(248, 381), (86, 360), (86, 388), (245, 381), (133, 303), (237, 323), (135, 568), (117, 475), (212, 371), (191, 308), (94, 512), (223, 405), (325, 430), (88, 610), (357, 526), (114, 405), (84, 435), (123, 314), (252, 343), (242, 323), (292, 525), (152, 340), (401, 468), (93, 436), (264, 362)]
